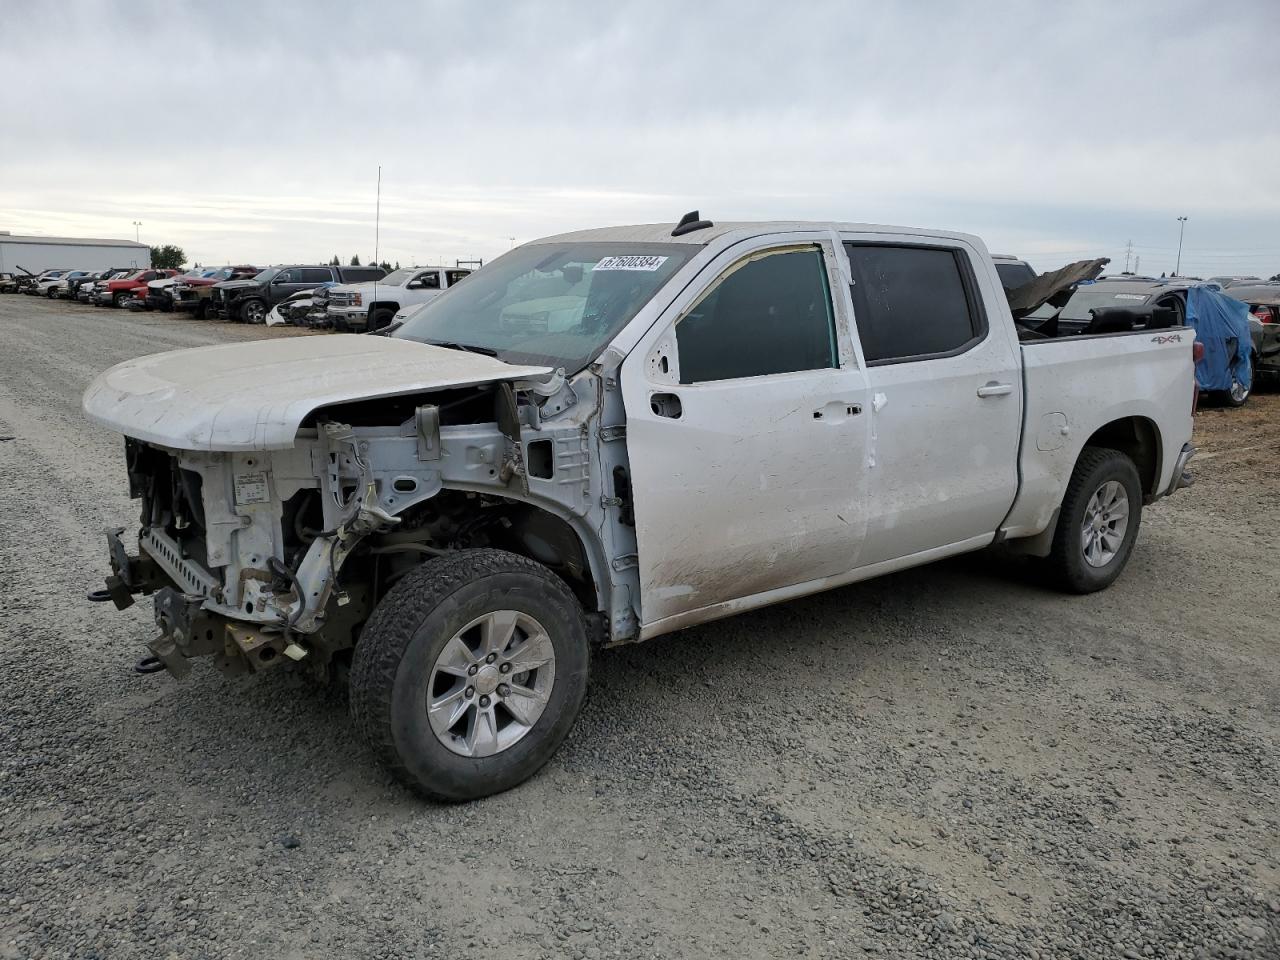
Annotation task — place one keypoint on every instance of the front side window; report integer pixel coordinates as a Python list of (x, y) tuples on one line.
[(428, 281), (912, 302), (769, 314)]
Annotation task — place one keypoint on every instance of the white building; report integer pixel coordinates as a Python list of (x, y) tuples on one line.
[(69, 253)]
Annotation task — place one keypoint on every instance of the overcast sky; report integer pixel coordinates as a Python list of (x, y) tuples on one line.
[(252, 132)]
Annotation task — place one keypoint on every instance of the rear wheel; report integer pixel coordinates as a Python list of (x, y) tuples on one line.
[(470, 673), (1098, 522), (1239, 393)]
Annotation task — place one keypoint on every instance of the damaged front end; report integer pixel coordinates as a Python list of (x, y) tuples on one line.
[(261, 558)]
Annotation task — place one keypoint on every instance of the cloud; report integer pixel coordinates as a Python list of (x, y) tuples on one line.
[(244, 131)]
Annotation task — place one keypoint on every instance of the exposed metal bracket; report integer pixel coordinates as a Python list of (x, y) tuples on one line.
[(626, 561), (608, 434), (427, 420)]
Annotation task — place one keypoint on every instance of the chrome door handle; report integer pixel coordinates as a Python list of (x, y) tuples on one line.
[(994, 389)]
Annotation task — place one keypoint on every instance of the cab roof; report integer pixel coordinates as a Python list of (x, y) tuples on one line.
[(661, 232)]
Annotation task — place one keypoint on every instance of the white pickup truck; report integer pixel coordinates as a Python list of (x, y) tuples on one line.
[(360, 306), (609, 435)]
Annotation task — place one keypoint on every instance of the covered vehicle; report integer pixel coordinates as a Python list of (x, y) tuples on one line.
[(606, 436)]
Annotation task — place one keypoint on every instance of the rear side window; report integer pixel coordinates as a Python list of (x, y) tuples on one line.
[(455, 275), (772, 314), (315, 275), (912, 302)]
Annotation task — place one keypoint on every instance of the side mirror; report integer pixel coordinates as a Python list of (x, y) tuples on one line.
[(414, 285)]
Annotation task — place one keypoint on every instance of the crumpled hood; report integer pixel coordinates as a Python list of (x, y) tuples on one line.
[(237, 284), (254, 396)]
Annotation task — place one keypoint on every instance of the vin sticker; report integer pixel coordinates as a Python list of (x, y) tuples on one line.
[(251, 488), (631, 263)]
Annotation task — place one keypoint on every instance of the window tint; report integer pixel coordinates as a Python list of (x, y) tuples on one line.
[(455, 275), (316, 275), (910, 301), (430, 280), (288, 276), (771, 315), (363, 274)]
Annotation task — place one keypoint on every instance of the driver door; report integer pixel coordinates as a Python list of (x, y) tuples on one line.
[(746, 433)]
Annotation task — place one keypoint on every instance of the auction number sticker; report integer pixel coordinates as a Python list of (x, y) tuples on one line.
[(648, 264), (251, 488), (1130, 296)]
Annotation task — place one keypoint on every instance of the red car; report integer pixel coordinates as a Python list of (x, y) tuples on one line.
[(116, 292)]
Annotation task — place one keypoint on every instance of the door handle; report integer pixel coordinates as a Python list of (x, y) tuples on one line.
[(994, 389)]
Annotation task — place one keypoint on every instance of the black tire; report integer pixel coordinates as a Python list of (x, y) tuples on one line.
[(1066, 565), (202, 310), (51, 293), (1239, 394), (253, 311), (117, 299), (392, 664), (380, 318)]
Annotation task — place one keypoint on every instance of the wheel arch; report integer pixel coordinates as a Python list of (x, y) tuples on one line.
[(1139, 439)]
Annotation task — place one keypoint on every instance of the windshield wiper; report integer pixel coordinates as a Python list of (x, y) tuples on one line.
[(386, 331), (469, 348)]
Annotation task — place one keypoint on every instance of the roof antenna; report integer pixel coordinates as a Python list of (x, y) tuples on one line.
[(689, 223)]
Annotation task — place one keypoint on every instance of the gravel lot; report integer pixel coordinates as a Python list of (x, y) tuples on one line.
[(949, 762)]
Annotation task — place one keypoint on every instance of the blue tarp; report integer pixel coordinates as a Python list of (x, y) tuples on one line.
[(1222, 325)]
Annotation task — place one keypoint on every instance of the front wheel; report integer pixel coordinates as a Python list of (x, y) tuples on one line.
[(380, 318), (117, 299), (51, 293), (1098, 522), (470, 673), (253, 311)]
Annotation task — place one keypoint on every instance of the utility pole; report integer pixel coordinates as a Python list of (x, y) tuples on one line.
[(1128, 252), (136, 225), (1182, 226), (513, 243), (1137, 264)]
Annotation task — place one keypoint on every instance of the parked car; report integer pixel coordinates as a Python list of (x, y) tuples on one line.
[(1263, 299), (74, 284), (56, 287), (249, 300), (191, 294), (1225, 282), (38, 286), (116, 291), (359, 306), (607, 436), (158, 293), (8, 282), (85, 289), (295, 308)]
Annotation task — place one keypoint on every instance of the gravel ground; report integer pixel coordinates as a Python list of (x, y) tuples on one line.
[(949, 762)]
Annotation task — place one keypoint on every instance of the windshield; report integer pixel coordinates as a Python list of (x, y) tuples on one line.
[(554, 304), (266, 275), (1088, 297), (398, 277)]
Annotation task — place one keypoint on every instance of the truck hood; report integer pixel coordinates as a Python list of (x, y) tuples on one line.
[(254, 396), (236, 284), (365, 286)]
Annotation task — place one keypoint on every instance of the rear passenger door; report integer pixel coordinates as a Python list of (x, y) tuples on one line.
[(946, 397)]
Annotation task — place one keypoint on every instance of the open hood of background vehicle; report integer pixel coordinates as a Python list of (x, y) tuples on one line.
[(254, 396), (1060, 284)]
